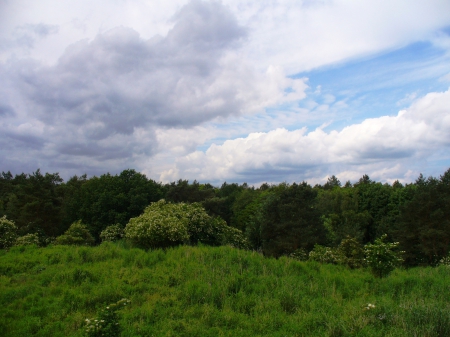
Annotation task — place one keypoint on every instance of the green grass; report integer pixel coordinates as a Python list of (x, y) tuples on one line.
[(205, 291)]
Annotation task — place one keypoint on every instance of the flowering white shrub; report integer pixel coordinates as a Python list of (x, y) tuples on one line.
[(165, 224), (323, 254), (112, 233), (382, 257), (28, 239), (107, 322), (8, 232), (233, 237), (299, 254), (445, 261), (161, 225), (202, 227)]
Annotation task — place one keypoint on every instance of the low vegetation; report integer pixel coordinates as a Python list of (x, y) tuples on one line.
[(125, 256), (277, 220), (211, 291)]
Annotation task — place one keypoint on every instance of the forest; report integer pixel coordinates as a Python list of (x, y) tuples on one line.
[(277, 220)]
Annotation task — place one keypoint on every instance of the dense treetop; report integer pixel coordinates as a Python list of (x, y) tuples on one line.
[(275, 219)]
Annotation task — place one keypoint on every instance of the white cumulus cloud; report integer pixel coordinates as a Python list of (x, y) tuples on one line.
[(378, 146)]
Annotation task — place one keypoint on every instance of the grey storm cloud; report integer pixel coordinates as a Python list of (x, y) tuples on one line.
[(6, 111), (17, 140), (26, 36), (124, 82), (40, 29), (92, 101)]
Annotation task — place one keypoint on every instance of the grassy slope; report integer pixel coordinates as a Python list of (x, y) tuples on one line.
[(203, 291)]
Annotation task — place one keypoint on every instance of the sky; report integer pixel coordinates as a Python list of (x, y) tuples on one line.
[(233, 90)]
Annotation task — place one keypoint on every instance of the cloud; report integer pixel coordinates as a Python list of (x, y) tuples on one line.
[(97, 87), (25, 37), (384, 146), (6, 111), (297, 35), (104, 99), (39, 30), (303, 35)]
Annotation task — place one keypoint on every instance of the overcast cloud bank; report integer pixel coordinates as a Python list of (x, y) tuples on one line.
[(210, 90), (104, 99)]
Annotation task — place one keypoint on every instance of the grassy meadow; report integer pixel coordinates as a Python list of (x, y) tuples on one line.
[(213, 291)]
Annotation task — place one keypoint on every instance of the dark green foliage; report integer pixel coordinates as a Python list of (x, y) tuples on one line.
[(33, 201), (351, 253), (424, 226), (71, 191), (247, 215), (182, 191), (348, 223), (331, 183), (6, 187), (224, 200), (400, 195), (374, 198), (278, 219), (217, 206), (105, 200), (339, 210), (290, 221)]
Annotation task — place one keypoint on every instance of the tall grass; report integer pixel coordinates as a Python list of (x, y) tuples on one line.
[(221, 291)]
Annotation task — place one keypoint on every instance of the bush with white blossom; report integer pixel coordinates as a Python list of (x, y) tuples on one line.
[(323, 254), (107, 322), (382, 257), (445, 261), (112, 233), (28, 239), (166, 224), (8, 233)]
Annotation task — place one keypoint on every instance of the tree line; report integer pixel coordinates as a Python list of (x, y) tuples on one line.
[(278, 219)]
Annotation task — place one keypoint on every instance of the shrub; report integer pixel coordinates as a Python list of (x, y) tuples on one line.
[(107, 322), (76, 235), (166, 224), (382, 257), (161, 225), (445, 261), (323, 254), (231, 236), (8, 233), (112, 233), (299, 254), (28, 239), (200, 226), (351, 253)]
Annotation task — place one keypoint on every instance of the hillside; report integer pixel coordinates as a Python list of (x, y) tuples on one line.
[(221, 291)]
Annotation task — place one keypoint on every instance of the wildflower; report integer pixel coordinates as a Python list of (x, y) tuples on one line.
[(369, 306)]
